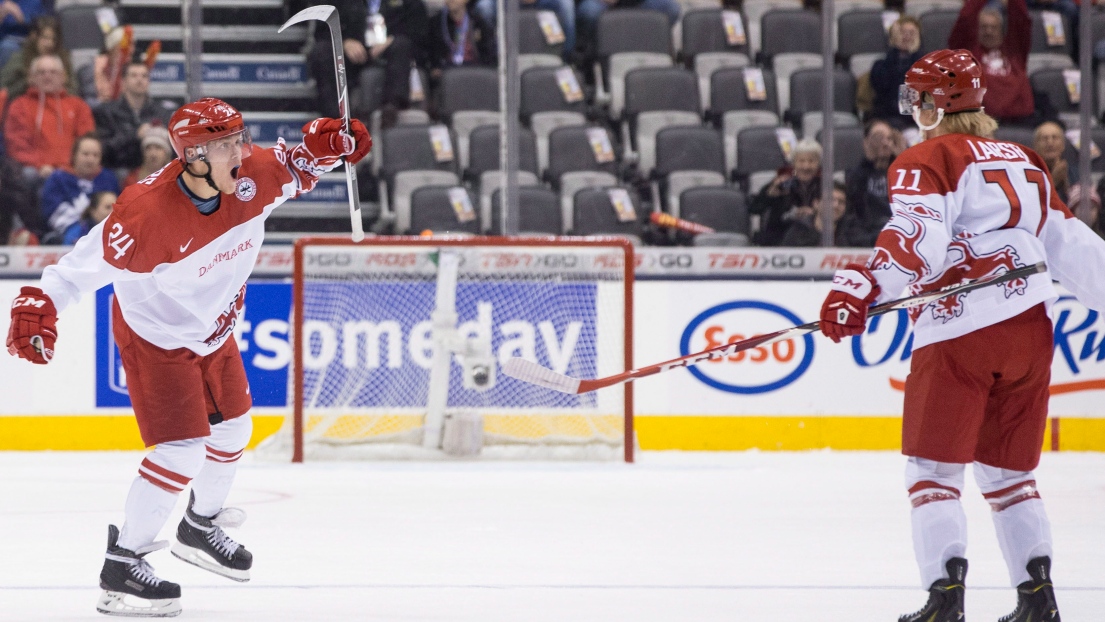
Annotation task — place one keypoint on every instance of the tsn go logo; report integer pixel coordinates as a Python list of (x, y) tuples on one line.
[(759, 370)]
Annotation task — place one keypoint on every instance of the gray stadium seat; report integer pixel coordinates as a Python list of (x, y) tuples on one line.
[(936, 27), (860, 32), (789, 30), (539, 212), (432, 209), (593, 214), (728, 91)]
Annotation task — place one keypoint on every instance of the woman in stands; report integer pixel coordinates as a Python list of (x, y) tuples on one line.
[(44, 38), (789, 195)]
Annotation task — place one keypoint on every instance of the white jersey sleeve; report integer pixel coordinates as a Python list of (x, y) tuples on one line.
[(84, 269), (1075, 255)]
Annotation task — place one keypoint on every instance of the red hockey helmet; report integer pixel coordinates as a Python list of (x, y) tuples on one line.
[(952, 77), (208, 129)]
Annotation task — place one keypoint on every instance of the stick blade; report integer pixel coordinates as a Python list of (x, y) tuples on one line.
[(528, 371), (321, 13)]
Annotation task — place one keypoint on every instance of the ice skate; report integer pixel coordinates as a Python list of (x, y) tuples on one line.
[(1036, 598), (945, 602), (128, 579), (202, 542)]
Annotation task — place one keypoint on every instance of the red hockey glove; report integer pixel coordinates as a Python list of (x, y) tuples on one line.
[(326, 141), (844, 312), (34, 326)]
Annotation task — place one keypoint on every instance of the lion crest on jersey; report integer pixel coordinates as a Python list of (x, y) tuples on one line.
[(245, 189)]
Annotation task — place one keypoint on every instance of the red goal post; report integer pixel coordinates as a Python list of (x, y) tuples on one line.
[(541, 272)]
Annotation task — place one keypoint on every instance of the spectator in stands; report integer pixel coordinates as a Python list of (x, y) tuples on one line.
[(1002, 50), (156, 153), (16, 17), (459, 37), (789, 195), (1050, 141), (867, 198), (44, 38), (1091, 213), (404, 29), (806, 225), (123, 123), (588, 13), (18, 203), (43, 123), (888, 74), (99, 207), (67, 192), (565, 11)]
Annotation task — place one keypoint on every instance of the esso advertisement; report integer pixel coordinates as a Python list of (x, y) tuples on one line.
[(811, 375), (759, 370)]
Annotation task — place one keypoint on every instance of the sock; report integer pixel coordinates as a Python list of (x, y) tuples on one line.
[(939, 524), (163, 474), (223, 450), (1023, 530)]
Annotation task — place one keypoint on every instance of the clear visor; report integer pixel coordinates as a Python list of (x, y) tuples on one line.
[(908, 98), (229, 149)]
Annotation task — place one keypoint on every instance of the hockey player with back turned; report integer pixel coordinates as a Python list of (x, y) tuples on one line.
[(179, 247), (966, 206)]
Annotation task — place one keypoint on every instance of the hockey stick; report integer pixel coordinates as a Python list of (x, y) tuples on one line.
[(327, 13), (533, 373)]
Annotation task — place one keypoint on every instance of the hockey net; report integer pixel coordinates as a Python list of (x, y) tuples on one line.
[(397, 338)]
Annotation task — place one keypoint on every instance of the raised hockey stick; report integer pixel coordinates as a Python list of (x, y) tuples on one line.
[(327, 13), (533, 373)]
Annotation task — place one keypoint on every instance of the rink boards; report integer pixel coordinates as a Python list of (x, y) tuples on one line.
[(806, 393)]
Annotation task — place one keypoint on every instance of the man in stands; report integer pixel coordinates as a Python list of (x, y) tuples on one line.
[(868, 200), (967, 207), (397, 35), (124, 122), (887, 74), (178, 247), (44, 122), (1002, 50)]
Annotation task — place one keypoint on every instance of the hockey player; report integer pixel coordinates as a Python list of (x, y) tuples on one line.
[(967, 206), (179, 247)]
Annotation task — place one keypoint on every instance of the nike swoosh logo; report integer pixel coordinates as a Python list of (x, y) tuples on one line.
[(185, 247)]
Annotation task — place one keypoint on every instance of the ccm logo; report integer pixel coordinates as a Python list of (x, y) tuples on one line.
[(759, 370), (28, 302)]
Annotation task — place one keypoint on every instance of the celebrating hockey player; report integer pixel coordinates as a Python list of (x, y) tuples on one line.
[(179, 247), (968, 206)]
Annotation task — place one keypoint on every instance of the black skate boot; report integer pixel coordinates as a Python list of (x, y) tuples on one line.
[(1036, 598), (945, 597), (202, 542), (127, 573)]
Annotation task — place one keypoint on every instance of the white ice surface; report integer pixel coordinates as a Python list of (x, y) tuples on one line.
[(810, 537)]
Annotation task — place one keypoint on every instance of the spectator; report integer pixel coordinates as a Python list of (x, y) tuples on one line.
[(565, 11), (459, 37), (123, 123), (588, 13), (1050, 142), (99, 207), (868, 200), (793, 188), (1002, 50), (888, 74), (43, 123), (1091, 213), (18, 203), (15, 19), (805, 222), (406, 29), (156, 153), (44, 38), (65, 195)]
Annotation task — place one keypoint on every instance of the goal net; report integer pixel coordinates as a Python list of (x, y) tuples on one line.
[(398, 346)]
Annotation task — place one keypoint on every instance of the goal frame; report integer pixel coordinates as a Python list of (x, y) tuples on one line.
[(506, 242)]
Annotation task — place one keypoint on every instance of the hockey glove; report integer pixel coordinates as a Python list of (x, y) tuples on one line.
[(326, 141), (844, 312), (33, 329)]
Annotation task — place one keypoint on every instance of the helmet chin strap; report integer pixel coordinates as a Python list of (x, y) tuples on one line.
[(923, 127), (207, 176)]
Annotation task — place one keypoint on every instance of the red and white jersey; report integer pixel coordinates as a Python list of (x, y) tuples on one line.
[(178, 273), (968, 207)]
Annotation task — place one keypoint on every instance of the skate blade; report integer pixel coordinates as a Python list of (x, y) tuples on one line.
[(116, 604), (200, 559)]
